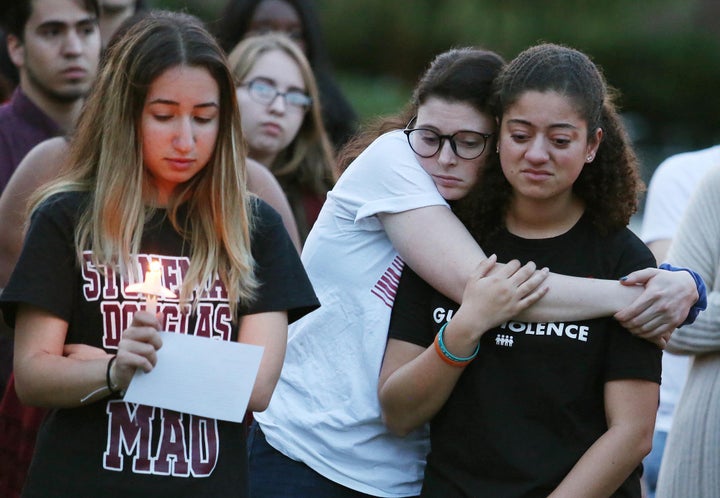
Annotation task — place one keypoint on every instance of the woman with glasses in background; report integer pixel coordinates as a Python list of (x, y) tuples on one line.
[(281, 121), (300, 20)]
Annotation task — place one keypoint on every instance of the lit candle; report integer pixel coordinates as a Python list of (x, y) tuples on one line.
[(152, 276), (151, 287)]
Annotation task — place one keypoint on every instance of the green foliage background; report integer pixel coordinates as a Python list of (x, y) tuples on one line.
[(662, 55)]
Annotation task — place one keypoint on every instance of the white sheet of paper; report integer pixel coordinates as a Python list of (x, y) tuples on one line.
[(200, 376)]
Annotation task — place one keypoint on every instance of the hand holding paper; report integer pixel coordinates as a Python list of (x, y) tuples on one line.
[(200, 376)]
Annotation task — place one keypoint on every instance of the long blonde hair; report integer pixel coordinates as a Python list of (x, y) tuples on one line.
[(106, 161), (308, 159)]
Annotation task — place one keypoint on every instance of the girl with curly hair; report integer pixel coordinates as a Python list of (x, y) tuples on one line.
[(561, 408)]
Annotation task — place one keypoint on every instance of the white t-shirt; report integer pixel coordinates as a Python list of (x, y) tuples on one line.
[(325, 410), (669, 192)]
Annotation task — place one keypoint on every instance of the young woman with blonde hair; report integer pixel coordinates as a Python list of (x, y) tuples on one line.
[(282, 121), (156, 172)]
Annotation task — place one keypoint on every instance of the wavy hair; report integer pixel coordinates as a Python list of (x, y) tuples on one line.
[(106, 161), (610, 188)]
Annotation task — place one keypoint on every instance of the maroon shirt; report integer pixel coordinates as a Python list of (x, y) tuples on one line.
[(22, 126)]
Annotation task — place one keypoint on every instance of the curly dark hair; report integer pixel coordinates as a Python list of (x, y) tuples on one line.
[(610, 188)]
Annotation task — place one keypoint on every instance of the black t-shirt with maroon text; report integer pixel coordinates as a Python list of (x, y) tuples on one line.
[(114, 448)]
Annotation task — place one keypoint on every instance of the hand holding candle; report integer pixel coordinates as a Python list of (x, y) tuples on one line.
[(152, 287)]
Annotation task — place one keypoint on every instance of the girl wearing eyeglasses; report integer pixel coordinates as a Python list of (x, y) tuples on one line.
[(282, 123), (322, 434)]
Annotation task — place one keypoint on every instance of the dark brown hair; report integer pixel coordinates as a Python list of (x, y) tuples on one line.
[(610, 188), (458, 75)]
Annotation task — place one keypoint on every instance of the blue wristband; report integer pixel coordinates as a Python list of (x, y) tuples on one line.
[(701, 302)]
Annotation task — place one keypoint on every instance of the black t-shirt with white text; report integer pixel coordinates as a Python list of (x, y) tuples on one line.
[(530, 405)]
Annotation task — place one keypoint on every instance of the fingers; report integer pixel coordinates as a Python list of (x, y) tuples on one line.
[(484, 267), (142, 318), (647, 306), (667, 294), (137, 348), (649, 323), (526, 279), (533, 287), (639, 277), (660, 341)]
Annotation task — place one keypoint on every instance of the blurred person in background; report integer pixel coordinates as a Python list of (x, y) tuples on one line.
[(669, 192), (8, 71), (282, 124), (691, 461), (300, 21), (55, 46), (113, 13)]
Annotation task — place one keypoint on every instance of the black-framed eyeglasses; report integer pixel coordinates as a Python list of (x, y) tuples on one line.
[(465, 144), (265, 92)]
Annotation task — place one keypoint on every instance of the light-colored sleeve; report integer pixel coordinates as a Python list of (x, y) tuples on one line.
[(697, 246), (668, 194), (385, 178), (670, 189)]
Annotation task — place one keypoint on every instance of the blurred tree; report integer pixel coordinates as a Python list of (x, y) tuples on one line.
[(663, 55)]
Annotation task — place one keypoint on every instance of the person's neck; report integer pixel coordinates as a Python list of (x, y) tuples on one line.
[(63, 113), (542, 219)]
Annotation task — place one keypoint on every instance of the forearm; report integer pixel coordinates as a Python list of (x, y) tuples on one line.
[(447, 267), (575, 298), (415, 392), (606, 464), (268, 330), (52, 381), (43, 375)]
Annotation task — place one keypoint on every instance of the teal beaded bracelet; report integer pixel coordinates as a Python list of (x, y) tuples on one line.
[(447, 356)]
